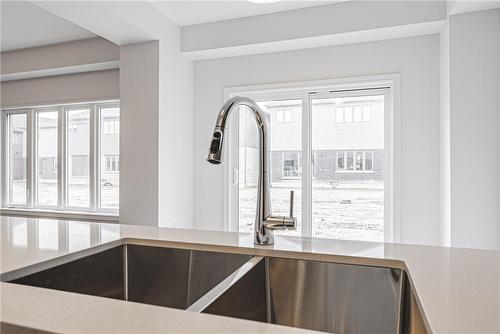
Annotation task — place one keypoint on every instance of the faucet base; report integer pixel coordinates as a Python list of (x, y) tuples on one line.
[(265, 239)]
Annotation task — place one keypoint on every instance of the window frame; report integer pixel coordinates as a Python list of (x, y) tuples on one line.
[(307, 91), (62, 210)]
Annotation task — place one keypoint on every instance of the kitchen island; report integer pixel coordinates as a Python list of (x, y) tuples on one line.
[(455, 290)]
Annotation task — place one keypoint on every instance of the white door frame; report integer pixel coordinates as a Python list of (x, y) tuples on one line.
[(304, 90)]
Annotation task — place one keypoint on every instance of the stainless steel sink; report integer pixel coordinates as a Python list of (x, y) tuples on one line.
[(153, 275), (330, 297)]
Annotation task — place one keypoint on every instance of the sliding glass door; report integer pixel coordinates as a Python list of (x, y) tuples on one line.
[(330, 148), (348, 165)]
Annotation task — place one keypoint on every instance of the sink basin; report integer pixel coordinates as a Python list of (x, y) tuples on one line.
[(152, 275), (330, 297)]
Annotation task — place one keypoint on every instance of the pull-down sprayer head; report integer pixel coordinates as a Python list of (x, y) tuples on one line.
[(217, 141), (215, 151)]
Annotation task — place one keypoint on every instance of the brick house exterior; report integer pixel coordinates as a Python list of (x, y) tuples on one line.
[(347, 141)]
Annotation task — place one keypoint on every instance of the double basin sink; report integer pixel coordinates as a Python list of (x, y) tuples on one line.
[(324, 296)]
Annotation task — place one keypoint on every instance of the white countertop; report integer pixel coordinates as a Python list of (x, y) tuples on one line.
[(458, 289)]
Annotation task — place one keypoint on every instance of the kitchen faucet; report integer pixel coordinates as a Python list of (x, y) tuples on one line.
[(265, 221)]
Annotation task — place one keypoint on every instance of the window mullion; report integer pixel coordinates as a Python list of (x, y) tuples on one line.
[(93, 158), (61, 159), (34, 196), (31, 158), (98, 162), (4, 160), (306, 167)]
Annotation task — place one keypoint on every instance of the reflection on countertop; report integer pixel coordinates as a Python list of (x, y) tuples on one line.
[(55, 235)]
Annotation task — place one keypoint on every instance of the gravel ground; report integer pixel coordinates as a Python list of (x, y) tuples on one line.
[(348, 211)]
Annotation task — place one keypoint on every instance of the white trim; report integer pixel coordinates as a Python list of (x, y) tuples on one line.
[(394, 165), (62, 147), (59, 214), (97, 151), (20, 108), (306, 165), (93, 158), (361, 82), (392, 82), (31, 165), (230, 191)]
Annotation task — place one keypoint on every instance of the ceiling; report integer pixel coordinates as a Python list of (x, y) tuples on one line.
[(188, 12), (25, 25)]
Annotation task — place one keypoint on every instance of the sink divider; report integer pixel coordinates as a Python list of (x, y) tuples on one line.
[(223, 286)]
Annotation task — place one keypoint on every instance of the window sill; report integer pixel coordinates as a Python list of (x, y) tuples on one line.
[(75, 215)]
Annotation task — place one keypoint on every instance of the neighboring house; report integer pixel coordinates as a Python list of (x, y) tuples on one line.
[(347, 140)]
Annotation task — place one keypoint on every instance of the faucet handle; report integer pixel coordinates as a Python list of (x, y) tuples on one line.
[(290, 222), (282, 222)]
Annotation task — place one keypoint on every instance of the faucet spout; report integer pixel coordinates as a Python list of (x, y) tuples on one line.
[(265, 222)]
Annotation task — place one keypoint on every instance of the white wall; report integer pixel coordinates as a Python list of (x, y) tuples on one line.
[(81, 87), (416, 59), (331, 24), (139, 110), (175, 134), (474, 92), (61, 55), (445, 168), (42, 67)]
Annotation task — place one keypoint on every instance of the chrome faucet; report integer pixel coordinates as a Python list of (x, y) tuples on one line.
[(265, 221)]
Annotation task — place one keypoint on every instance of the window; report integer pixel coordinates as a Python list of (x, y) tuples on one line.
[(17, 171), (110, 157), (338, 173), (47, 128), (111, 126), (78, 145), (283, 116), (357, 161), (348, 194), (353, 114), (291, 162), (53, 161), (112, 163)]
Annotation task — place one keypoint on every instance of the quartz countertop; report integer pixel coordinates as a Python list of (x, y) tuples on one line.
[(457, 290)]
